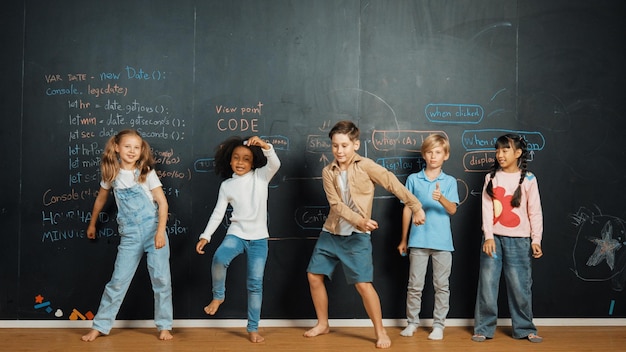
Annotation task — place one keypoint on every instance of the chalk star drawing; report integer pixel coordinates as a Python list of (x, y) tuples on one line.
[(599, 252), (38, 299), (606, 247)]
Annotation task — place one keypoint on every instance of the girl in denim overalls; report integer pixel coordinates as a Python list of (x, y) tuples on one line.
[(248, 166), (127, 166)]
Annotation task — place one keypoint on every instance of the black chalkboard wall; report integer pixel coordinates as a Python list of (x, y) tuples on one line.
[(188, 74)]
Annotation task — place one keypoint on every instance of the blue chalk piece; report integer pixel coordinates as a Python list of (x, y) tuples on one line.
[(41, 305), (611, 307), (495, 256), (404, 254)]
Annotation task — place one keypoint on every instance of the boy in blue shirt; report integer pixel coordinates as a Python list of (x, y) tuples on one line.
[(439, 195)]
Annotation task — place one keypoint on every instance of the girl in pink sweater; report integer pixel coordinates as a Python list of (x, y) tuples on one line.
[(512, 227)]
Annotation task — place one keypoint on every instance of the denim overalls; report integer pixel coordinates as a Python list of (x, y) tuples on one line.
[(137, 220)]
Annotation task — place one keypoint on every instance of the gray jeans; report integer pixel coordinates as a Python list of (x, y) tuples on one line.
[(442, 265)]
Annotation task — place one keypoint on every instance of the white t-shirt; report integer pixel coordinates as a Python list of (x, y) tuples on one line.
[(345, 227), (128, 178)]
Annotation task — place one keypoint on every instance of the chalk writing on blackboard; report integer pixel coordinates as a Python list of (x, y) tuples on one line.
[(454, 113), (96, 107), (277, 141), (478, 161), (402, 166), (485, 139), (480, 147), (233, 118), (400, 140), (311, 217)]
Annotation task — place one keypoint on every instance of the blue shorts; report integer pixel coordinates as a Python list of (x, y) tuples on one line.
[(354, 252)]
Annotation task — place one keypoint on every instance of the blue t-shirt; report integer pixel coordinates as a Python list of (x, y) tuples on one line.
[(436, 233)]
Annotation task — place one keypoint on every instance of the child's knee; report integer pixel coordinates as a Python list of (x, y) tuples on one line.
[(255, 285), (363, 287), (221, 260), (162, 281)]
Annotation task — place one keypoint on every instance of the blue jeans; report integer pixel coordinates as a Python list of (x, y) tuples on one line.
[(256, 251), (442, 266), (137, 224), (513, 258)]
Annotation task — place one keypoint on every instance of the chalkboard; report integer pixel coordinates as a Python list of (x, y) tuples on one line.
[(189, 74), (12, 17)]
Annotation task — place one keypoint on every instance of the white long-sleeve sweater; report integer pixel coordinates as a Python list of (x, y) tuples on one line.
[(247, 195)]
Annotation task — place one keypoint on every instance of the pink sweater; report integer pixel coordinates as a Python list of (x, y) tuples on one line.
[(500, 218)]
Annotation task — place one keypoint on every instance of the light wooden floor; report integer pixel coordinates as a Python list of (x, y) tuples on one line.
[(344, 339)]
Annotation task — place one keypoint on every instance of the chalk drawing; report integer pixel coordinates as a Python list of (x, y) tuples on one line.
[(599, 252)]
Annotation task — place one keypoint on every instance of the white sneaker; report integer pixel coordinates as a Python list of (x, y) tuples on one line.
[(409, 330), (436, 334)]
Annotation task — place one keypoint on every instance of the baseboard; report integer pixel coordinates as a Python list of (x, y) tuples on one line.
[(239, 323)]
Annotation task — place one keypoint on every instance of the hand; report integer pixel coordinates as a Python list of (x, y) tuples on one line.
[(91, 232), (489, 247), (537, 252), (200, 245), (368, 225), (437, 192), (159, 240), (257, 141), (419, 217), (402, 249)]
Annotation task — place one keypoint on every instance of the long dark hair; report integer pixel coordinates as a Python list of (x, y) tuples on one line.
[(224, 152), (517, 142)]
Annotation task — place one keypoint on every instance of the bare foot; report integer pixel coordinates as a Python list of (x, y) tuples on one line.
[(165, 335), (91, 335), (383, 341), (255, 337), (317, 330), (211, 309)]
